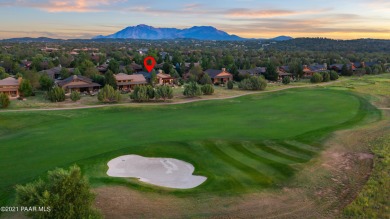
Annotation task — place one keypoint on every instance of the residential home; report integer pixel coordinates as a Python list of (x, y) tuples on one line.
[(164, 78), (219, 76), (136, 67), (282, 74), (78, 83), (55, 73), (307, 72), (128, 82), (253, 72), (10, 86), (102, 68), (146, 75)]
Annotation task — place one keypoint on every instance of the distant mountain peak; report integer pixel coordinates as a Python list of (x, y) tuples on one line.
[(143, 31)]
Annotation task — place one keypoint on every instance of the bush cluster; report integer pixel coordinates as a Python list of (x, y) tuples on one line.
[(146, 93), (56, 94), (109, 95), (253, 83), (4, 100)]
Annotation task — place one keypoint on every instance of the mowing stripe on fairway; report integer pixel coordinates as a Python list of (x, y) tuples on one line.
[(234, 150), (257, 176), (297, 149), (283, 149), (278, 153), (259, 152), (303, 145), (281, 168)]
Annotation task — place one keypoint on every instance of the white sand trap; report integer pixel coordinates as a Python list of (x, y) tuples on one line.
[(167, 172)]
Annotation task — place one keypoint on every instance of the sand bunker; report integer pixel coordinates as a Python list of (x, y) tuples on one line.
[(167, 172)]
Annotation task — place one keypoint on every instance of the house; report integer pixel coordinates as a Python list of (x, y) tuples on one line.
[(307, 72), (10, 86), (55, 73), (164, 78), (219, 76), (338, 67), (78, 83), (102, 68), (146, 75), (253, 72), (282, 74), (127, 82), (136, 67)]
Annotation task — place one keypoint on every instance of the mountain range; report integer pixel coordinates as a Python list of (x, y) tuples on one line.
[(146, 32)]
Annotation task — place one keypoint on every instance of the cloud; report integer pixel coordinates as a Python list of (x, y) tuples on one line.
[(251, 13), (64, 5)]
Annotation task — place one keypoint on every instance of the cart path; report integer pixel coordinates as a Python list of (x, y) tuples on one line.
[(167, 103)]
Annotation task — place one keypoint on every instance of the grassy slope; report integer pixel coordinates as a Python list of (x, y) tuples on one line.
[(239, 144)]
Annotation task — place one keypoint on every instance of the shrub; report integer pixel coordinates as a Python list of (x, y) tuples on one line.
[(4, 100), (286, 80), (65, 192), (46, 82), (140, 94), (25, 88), (205, 79), (150, 91), (253, 83), (75, 96), (333, 75), (325, 76), (207, 89), (192, 89), (230, 85), (109, 95), (56, 94), (316, 78), (164, 92)]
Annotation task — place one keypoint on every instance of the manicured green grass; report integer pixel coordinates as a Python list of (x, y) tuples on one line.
[(242, 144)]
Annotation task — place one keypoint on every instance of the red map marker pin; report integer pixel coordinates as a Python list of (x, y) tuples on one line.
[(149, 63)]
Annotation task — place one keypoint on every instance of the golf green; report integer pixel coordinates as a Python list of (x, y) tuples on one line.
[(243, 144)]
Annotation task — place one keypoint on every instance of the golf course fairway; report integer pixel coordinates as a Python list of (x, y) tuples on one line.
[(243, 144)]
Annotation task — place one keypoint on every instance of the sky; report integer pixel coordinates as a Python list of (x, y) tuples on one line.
[(337, 19)]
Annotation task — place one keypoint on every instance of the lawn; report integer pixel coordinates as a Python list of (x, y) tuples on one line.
[(244, 144)]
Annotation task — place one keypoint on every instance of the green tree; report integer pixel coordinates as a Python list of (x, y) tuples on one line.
[(334, 75), (368, 70), (151, 92), (140, 94), (253, 83), (271, 73), (286, 80), (46, 82), (113, 65), (56, 94), (75, 96), (4, 100), (3, 74), (76, 71), (110, 79), (316, 78), (64, 72), (164, 92), (153, 78), (345, 71), (205, 79), (197, 72), (230, 85), (325, 76), (207, 89), (66, 192), (192, 89), (25, 88), (109, 95)]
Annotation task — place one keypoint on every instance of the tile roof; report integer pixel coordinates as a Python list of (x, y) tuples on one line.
[(10, 81)]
